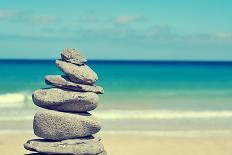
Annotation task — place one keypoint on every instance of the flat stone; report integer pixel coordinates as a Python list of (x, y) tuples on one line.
[(81, 146), (78, 74), (65, 100), (64, 82), (56, 125), (73, 56), (103, 153)]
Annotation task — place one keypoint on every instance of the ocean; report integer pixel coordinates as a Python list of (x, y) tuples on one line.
[(139, 95)]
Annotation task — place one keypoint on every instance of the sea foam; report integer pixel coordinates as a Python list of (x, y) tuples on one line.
[(114, 115), (160, 114), (14, 99)]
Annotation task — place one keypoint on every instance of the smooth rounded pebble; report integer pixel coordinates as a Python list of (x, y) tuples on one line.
[(78, 74), (81, 146), (64, 82), (55, 125), (65, 100), (73, 56)]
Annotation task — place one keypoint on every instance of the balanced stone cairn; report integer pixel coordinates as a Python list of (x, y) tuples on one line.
[(66, 126)]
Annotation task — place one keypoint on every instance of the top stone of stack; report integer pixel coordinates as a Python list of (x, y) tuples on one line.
[(72, 64), (73, 56)]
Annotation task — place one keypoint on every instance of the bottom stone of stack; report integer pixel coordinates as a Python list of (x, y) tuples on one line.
[(82, 146)]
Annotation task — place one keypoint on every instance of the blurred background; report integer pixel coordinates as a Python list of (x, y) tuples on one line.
[(165, 65)]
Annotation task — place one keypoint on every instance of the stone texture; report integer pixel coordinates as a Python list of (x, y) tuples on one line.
[(67, 127), (81, 146), (65, 100), (64, 82), (55, 125), (78, 74), (103, 153), (73, 56)]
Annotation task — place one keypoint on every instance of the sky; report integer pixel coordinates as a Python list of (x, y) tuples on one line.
[(117, 29)]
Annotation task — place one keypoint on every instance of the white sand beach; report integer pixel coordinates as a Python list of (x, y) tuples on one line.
[(130, 144)]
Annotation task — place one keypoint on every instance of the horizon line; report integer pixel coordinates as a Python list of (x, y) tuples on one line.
[(117, 60)]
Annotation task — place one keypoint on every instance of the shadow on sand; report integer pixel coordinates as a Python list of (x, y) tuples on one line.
[(39, 154)]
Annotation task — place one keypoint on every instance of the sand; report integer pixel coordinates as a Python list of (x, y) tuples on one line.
[(128, 144)]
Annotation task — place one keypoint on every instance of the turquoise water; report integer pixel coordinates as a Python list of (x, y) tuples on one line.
[(164, 85), (157, 94)]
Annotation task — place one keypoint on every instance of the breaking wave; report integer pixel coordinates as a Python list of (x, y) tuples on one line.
[(22, 99), (114, 115), (14, 99), (160, 114)]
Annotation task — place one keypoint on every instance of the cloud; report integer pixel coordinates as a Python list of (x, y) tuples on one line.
[(25, 17), (168, 33), (89, 19), (206, 37), (5, 14), (94, 28), (120, 20), (43, 19), (224, 36), (11, 15), (162, 31)]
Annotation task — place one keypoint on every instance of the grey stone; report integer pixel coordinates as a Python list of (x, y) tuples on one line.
[(103, 153), (81, 146), (38, 154), (73, 56), (65, 100), (78, 74), (64, 82), (55, 125)]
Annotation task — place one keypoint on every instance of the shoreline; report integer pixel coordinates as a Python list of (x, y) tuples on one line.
[(220, 133), (151, 126)]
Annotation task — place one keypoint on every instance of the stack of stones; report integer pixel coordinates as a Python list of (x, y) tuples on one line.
[(66, 126)]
